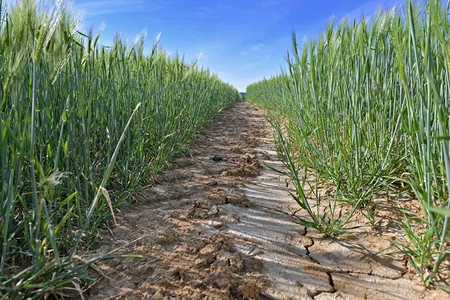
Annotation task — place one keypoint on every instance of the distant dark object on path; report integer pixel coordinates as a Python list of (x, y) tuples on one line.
[(243, 96), (218, 158)]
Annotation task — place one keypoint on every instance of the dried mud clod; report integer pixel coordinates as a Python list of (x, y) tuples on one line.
[(247, 166), (210, 206), (227, 270), (225, 197), (164, 237), (252, 264), (250, 290)]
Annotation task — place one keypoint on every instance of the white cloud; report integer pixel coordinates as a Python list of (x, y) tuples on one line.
[(103, 7), (251, 49), (257, 47)]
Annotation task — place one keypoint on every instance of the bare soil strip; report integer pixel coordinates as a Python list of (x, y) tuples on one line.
[(223, 228)]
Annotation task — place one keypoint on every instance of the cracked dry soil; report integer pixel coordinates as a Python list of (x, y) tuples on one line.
[(222, 227)]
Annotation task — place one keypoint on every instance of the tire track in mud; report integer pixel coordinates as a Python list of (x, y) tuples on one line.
[(221, 227)]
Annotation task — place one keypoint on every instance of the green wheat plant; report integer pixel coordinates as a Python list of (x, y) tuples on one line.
[(330, 221), (72, 144), (365, 107)]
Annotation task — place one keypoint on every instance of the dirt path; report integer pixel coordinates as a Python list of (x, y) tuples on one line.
[(223, 229)]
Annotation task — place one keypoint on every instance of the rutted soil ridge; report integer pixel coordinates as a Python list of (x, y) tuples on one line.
[(223, 229)]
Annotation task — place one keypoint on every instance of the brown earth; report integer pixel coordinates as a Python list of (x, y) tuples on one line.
[(218, 224)]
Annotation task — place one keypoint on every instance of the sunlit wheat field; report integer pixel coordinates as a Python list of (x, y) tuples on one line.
[(360, 111), (82, 124), (364, 106)]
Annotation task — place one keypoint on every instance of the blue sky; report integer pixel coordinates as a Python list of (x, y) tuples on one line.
[(243, 41)]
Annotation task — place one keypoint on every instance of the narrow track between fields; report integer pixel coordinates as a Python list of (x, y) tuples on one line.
[(219, 224)]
